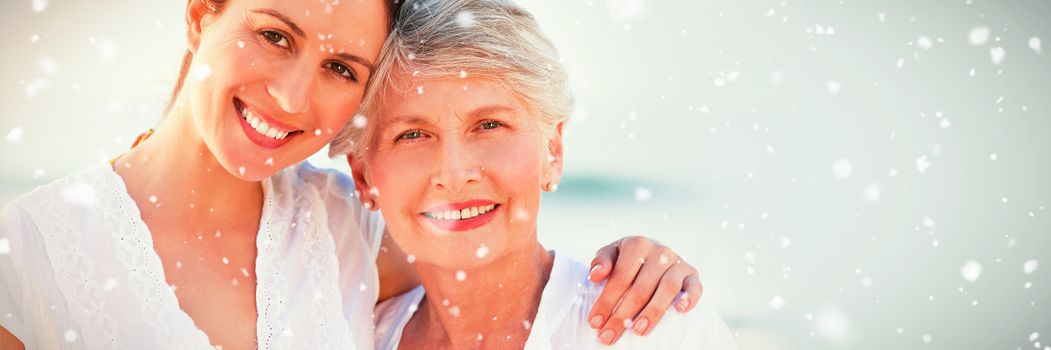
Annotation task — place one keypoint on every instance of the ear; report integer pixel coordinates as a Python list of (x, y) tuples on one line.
[(361, 182), (553, 164), (197, 12)]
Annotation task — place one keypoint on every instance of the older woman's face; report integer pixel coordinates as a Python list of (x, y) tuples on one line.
[(457, 167), (300, 67)]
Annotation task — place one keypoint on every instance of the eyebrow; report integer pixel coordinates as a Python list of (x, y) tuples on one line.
[(354, 58), (301, 33), (481, 111), (413, 119), (283, 18)]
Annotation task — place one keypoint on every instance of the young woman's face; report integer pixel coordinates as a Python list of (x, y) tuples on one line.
[(272, 81), (457, 167)]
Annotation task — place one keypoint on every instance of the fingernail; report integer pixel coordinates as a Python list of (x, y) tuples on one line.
[(596, 321), (595, 269), (606, 337), (683, 303), (640, 326)]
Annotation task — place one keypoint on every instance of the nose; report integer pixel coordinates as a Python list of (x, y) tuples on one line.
[(456, 167), (291, 89)]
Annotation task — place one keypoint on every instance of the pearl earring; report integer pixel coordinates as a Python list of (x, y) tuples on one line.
[(551, 187), (368, 204)]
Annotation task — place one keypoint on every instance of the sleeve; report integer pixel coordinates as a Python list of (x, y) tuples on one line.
[(712, 333), (14, 227), (346, 214)]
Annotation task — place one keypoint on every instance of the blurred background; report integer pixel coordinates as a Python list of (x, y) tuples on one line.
[(845, 174)]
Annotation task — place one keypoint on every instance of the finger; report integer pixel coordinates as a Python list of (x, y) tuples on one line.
[(694, 289), (642, 291), (623, 275), (637, 296), (669, 288), (604, 258)]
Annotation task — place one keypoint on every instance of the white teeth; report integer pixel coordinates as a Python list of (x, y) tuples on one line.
[(262, 127), (462, 214)]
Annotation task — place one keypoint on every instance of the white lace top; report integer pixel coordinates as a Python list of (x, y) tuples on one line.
[(78, 268), (561, 319)]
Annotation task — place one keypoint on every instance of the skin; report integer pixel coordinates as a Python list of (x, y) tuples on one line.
[(202, 156), (470, 139)]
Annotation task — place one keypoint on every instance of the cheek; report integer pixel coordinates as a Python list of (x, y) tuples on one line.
[(401, 180), (512, 162)]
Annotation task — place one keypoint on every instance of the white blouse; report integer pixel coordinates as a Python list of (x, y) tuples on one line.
[(561, 320), (78, 268)]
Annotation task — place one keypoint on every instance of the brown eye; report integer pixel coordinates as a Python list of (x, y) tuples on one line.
[(342, 71), (275, 38)]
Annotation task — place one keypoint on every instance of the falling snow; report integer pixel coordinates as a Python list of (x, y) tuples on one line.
[(70, 335), (359, 121), (642, 194), (922, 164), (465, 19), (842, 168), (201, 72), (776, 302), (997, 55), (38, 7), (971, 270), (15, 135), (979, 36), (872, 193), (1030, 266)]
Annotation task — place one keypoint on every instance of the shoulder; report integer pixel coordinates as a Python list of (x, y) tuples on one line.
[(328, 196), (82, 188), (329, 182), (76, 197), (700, 328), (392, 315)]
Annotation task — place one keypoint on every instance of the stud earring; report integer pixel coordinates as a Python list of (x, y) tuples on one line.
[(551, 187), (368, 204)]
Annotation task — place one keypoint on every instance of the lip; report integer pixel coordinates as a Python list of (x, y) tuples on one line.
[(253, 135), (464, 224)]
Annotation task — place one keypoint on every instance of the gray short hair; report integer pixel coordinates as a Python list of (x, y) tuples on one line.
[(491, 39)]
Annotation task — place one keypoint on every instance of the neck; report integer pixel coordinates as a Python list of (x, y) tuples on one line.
[(175, 173), (495, 304)]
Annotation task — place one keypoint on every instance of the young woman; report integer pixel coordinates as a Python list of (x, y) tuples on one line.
[(213, 232), (465, 133)]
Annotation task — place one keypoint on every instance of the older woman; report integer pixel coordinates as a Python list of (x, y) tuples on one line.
[(464, 132), (214, 232)]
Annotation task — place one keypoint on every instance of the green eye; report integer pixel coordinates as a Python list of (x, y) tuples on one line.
[(410, 135), (491, 124)]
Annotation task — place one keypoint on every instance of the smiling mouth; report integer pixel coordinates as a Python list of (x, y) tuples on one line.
[(462, 214), (260, 126)]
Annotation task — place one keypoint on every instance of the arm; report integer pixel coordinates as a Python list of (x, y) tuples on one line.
[(8, 340), (644, 277), (396, 273), (13, 227)]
